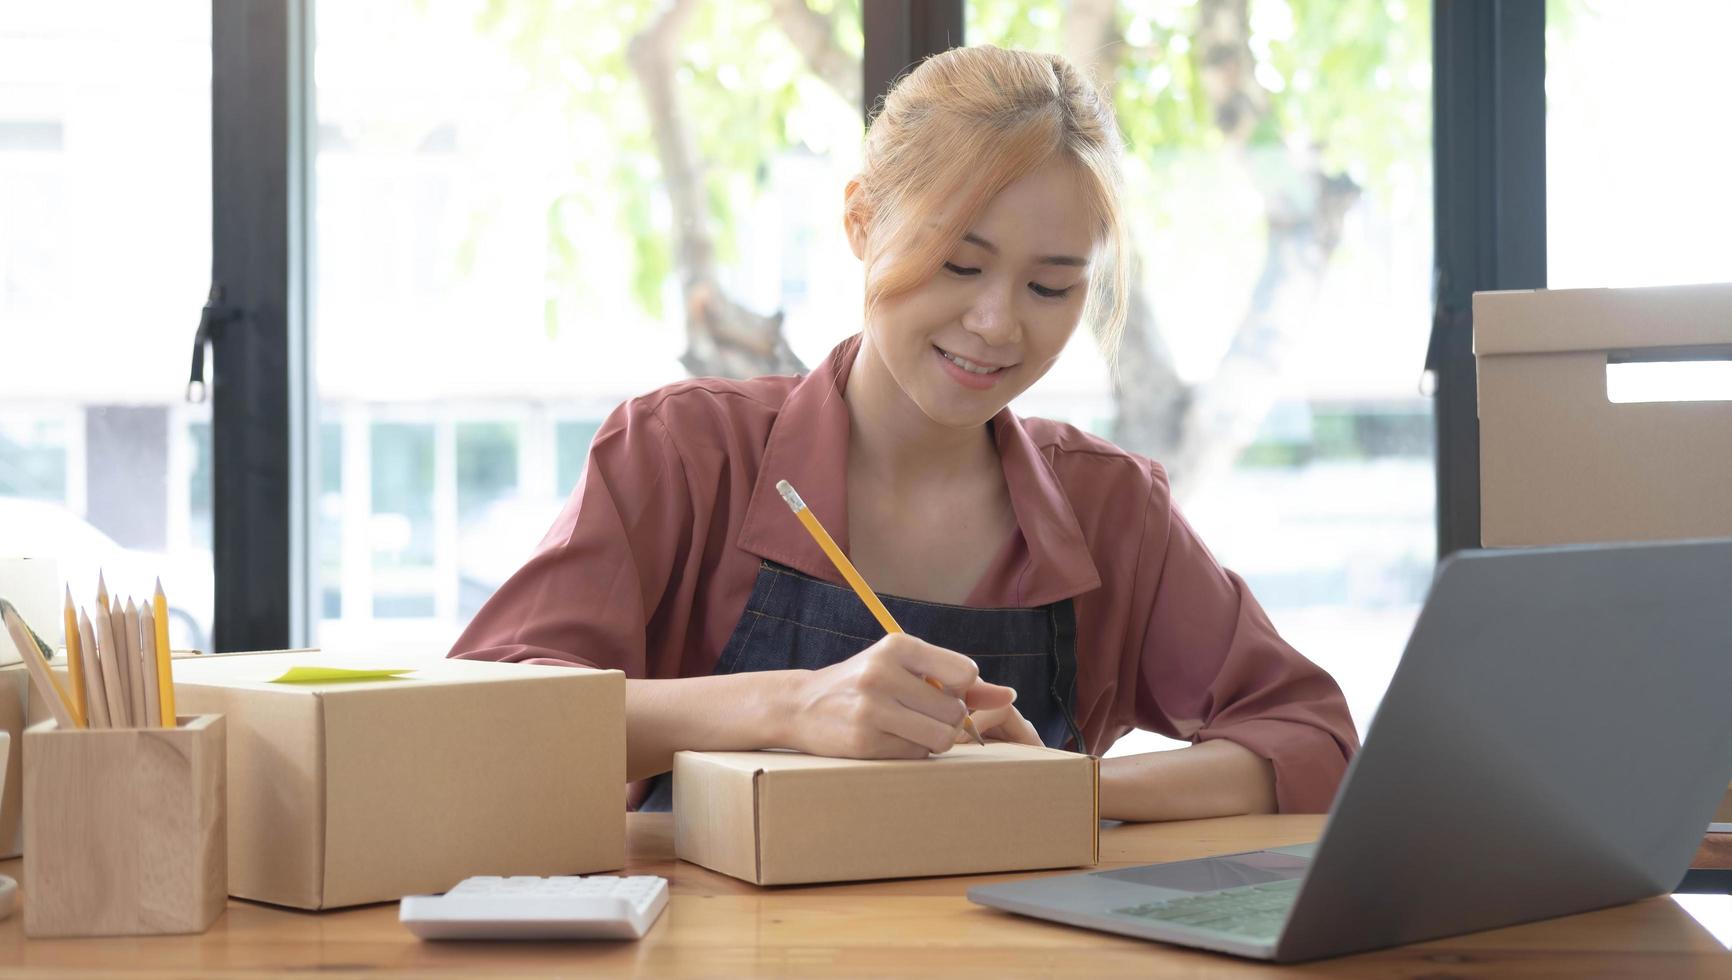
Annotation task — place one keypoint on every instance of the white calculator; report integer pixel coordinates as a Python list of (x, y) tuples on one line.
[(520, 907)]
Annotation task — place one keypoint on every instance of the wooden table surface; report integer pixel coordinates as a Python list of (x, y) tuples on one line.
[(716, 926)]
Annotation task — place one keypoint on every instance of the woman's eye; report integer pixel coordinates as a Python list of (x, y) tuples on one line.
[(1040, 290), (960, 270)]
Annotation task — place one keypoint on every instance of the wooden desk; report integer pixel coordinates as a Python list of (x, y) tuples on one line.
[(715, 925)]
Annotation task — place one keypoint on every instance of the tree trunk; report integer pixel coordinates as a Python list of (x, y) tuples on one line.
[(723, 338), (1228, 411), (1150, 398), (1197, 432), (1304, 210)]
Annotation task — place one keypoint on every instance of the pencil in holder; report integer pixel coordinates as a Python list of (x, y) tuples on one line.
[(125, 829)]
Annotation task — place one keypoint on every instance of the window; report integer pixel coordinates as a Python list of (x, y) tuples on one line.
[(104, 260), (504, 251), (1636, 159), (1279, 192)]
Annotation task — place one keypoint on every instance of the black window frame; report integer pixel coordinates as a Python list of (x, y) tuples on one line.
[(261, 107), (1488, 214)]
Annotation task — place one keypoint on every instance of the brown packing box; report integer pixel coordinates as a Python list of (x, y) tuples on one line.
[(364, 791), (779, 818), (14, 718), (21, 706), (1559, 462)]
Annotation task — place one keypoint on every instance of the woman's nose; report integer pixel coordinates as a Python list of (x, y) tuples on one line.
[(992, 315)]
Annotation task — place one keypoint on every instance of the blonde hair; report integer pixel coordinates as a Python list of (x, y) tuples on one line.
[(955, 132)]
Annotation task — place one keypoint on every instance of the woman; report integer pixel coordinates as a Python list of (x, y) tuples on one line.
[(1042, 574)]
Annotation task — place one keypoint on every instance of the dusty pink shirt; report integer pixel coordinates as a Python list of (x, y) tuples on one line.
[(649, 565)]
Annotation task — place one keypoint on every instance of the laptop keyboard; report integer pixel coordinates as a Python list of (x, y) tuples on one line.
[(1252, 911)]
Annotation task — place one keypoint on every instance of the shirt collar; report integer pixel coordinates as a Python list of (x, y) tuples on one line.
[(808, 447)]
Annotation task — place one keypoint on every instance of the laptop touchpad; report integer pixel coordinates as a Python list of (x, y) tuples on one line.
[(1214, 874)]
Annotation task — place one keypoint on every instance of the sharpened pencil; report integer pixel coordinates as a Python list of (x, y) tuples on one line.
[(854, 578)]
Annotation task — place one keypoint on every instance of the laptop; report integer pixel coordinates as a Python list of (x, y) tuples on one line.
[(1554, 740)]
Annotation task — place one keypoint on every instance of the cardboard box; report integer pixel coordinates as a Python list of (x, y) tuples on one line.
[(364, 791), (21, 706), (1560, 463), (14, 718), (778, 818)]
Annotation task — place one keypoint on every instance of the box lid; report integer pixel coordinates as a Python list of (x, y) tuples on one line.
[(1536, 321), (964, 757), (257, 671)]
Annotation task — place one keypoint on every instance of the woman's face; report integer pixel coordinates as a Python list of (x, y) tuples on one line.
[(993, 319)]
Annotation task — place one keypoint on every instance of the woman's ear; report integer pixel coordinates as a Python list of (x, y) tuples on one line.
[(854, 217)]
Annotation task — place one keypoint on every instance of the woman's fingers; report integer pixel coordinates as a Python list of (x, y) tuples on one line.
[(985, 696), (887, 677), (1005, 724), (958, 674), (920, 729), (950, 669)]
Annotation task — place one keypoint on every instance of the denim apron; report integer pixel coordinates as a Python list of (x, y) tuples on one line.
[(794, 621)]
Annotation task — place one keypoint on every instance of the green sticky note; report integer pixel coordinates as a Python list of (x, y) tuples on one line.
[(325, 675)]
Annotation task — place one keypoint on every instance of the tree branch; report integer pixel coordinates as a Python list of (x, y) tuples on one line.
[(651, 55), (1228, 70), (814, 35), (1091, 40), (722, 337)]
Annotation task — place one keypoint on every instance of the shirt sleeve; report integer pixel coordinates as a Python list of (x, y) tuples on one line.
[(586, 596), (1213, 666)]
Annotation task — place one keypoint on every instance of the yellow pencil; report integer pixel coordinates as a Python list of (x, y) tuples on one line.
[(849, 572), (164, 663), (75, 664)]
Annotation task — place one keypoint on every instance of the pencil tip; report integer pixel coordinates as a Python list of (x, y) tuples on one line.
[(159, 585)]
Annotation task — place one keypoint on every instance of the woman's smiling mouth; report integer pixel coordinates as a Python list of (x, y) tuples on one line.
[(971, 374)]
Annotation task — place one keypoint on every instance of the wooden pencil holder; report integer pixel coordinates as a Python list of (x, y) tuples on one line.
[(125, 829)]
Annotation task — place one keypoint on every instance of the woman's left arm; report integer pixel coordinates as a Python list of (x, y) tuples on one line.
[(1271, 730), (1209, 779)]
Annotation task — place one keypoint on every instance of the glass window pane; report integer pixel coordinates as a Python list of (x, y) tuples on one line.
[(328, 538), (1636, 165), (1279, 196), (573, 448), (486, 465), (104, 263), (402, 531), (502, 257)]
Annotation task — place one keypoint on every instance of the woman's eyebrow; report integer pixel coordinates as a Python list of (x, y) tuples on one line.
[(1072, 260)]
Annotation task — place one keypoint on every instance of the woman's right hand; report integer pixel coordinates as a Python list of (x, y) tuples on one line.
[(878, 705)]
